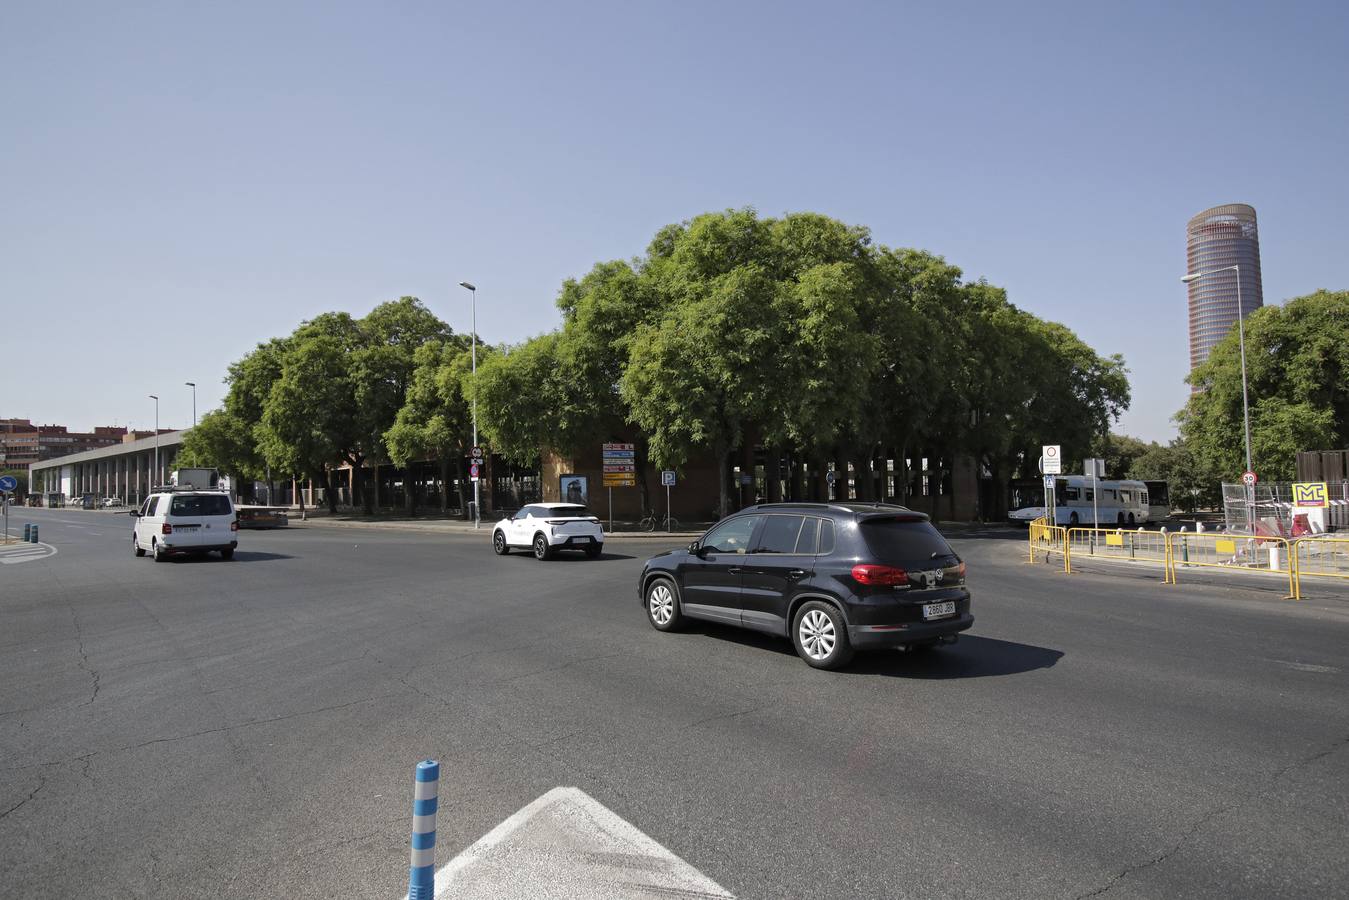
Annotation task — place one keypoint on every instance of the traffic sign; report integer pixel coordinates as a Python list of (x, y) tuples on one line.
[(1049, 482), (1310, 494), (1249, 479), (1051, 460), (830, 476), (473, 471), (667, 478), (476, 453), (8, 483)]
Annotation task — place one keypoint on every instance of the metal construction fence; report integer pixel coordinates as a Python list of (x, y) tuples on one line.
[(1268, 508), (1181, 551)]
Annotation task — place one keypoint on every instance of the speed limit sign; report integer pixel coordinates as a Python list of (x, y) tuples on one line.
[(1249, 479)]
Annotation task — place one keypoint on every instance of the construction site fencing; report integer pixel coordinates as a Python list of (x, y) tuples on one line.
[(1118, 545), (1319, 557), (1046, 538), (1181, 551), (1233, 552)]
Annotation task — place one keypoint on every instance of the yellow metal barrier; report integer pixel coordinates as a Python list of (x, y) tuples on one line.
[(1319, 557), (1217, 550), (1045, 538), (1119, 545)]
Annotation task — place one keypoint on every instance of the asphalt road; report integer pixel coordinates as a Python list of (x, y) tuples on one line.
[(249, 729)]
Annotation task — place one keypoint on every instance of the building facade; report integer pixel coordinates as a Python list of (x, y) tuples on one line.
[(22, 443), (128, 469), (1216, 239)]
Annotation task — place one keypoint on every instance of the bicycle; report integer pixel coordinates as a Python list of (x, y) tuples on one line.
[(651, 522)]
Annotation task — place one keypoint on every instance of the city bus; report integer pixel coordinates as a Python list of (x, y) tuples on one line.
[(1159, 500), (1117, 502)]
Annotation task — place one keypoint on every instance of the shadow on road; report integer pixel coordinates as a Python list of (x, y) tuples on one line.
[(239, 556), (567, 556), (971, 657)]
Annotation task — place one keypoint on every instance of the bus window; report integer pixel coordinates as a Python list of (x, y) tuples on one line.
[(1110, 494), (1124, 497), (1070, 493), (1091, 494)]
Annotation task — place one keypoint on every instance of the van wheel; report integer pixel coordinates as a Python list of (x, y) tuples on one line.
[(821, 636), (140, 551), (158, 552), (227, 553)]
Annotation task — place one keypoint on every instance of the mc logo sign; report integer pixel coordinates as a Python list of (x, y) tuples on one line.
[(1310, 494)]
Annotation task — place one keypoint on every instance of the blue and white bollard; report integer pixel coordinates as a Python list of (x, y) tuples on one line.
[(27, 531), (34, 538), (422, 874)]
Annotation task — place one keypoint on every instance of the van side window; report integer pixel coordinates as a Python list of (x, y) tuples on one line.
[(153, 504)]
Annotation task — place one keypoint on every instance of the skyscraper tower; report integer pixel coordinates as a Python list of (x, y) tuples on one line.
[(1215, 239)]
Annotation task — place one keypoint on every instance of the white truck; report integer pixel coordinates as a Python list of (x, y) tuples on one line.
[(196, 479)]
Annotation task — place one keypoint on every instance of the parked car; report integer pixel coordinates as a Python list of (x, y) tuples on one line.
[(176, 522), (109, 502), (833, 578), (548, 527)]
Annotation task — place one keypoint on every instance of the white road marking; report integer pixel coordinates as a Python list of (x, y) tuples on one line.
[(567, 844), (25, 553)]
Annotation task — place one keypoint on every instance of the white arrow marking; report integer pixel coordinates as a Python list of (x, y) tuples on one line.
[(567, 844)]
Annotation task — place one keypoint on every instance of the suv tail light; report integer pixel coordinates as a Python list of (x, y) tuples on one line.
[(166, 528), (960, 571), (559, 521), (879, 575), (234, 525)]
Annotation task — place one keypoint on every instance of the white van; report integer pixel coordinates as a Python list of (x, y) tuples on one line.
[(171, 522)]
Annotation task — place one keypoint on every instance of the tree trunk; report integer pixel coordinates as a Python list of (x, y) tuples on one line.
[(723, 471), (329, 493), (444, 485), (372, 500)]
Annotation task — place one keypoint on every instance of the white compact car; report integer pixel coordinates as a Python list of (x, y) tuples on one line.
[(172, 522), (548, 527)]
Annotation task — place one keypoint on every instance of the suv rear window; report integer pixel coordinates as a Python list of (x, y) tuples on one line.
[(201, 505), (901, 540)]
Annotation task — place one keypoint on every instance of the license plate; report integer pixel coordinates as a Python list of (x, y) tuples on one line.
[(187, 528), (937, 610), (584, 539)]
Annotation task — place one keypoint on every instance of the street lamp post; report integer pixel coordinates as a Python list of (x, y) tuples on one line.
[(473, 349), (1245, 397), (193, 385), (155, 474)]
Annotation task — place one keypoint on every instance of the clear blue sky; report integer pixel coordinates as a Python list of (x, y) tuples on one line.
[(179, 181)]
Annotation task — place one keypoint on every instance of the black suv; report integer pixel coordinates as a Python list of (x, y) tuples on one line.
[(834, 577)]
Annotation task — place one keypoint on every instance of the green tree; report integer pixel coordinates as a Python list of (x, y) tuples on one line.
[(224, 441), (1297, 358), (435, 419)]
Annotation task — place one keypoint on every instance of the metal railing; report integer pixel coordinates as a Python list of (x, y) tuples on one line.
[(1319, 557), (1119, 545), (1232, 552), (1046, 538), (1261, 555)]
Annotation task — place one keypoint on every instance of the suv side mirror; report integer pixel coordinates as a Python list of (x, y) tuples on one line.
[(135, 514), (696, 548)]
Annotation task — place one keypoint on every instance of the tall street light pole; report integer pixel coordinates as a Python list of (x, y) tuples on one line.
[(155, 474), (193, 385), (1245, 397), (473, 349)]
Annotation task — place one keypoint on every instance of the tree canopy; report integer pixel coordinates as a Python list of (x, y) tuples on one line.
[(1297, 365)]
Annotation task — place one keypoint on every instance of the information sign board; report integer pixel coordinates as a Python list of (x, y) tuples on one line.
[(667, 478), (1051, 460), (1313, 494)]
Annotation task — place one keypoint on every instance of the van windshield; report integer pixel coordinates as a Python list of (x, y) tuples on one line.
[(201, 505)]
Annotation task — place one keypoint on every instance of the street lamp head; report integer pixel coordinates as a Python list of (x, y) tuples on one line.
[(1193, 276), (190, 383), (154, 396), (465, 284)]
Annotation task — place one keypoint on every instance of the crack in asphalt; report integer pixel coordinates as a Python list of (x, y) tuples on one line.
[(41, 783), (1211, 815)]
